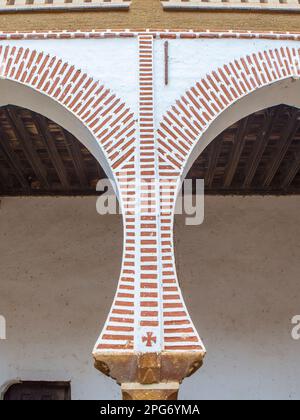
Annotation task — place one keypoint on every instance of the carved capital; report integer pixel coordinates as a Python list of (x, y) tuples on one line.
[(138, 372)]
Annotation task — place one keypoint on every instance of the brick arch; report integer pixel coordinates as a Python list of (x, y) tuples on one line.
[(105, 115), (184, 124)]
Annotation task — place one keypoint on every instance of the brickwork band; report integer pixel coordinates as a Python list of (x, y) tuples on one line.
[(152, 316)]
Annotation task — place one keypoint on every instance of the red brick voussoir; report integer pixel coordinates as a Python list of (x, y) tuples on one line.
[(182, 128), (99, 109)]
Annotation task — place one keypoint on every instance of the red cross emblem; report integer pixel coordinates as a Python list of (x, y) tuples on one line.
[(149, 339)]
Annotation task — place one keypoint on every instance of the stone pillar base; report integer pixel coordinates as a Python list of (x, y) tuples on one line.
[(161, 391)]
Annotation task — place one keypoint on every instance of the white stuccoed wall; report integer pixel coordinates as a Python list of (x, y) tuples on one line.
[(239, 271)]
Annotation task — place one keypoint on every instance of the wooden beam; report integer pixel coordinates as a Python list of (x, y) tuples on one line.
[(75, 153), (7, 178), (100, 172), (287, 136), (260, 146), (239, 142), (27, 145), (47, 138), (3, 180), (213, 161), (292, 171), (13, 160)]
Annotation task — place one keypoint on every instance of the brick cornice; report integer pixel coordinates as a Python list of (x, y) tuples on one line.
[(156, 33)]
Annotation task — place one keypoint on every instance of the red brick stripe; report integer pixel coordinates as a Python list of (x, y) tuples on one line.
[(156, 33)]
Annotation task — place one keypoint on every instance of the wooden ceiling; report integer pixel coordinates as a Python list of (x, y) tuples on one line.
[(38, 157), (258, 155)]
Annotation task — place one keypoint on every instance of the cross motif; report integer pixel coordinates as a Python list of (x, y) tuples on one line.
[(149, 339)]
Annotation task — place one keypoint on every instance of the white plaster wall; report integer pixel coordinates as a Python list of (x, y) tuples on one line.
[(239, 271)]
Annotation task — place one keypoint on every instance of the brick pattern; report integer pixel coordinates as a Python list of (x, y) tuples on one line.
[(184, 124), (15, 5), (119, 330), (99, 109), (231, 4), (156, 316), (138, 298), (160, 320), (156, 33), (179, 331), (149, 289), (180, 130)]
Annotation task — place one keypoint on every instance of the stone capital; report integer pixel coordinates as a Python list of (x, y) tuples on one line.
[(139, 373)]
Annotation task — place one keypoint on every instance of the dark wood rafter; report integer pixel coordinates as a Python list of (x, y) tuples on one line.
[(75, 153), (287, 137), (257, 155), (47, 139), (238, 145), (3, 179), (270, 116), (25, 140), (292, 171), (13, 160), (212, 162), (39, 157)]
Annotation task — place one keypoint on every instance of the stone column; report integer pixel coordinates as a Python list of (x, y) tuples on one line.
[(149, 343), (163, 391)]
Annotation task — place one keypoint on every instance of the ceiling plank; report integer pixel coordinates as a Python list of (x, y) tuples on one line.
[(260, 146), (27, 145), (287, 136), (257, 148), (3, 180), (13, 160), (46, 136), (238, 145), (100, 171), (75, 153), (291, 172), (7, 178), (213, 161)]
